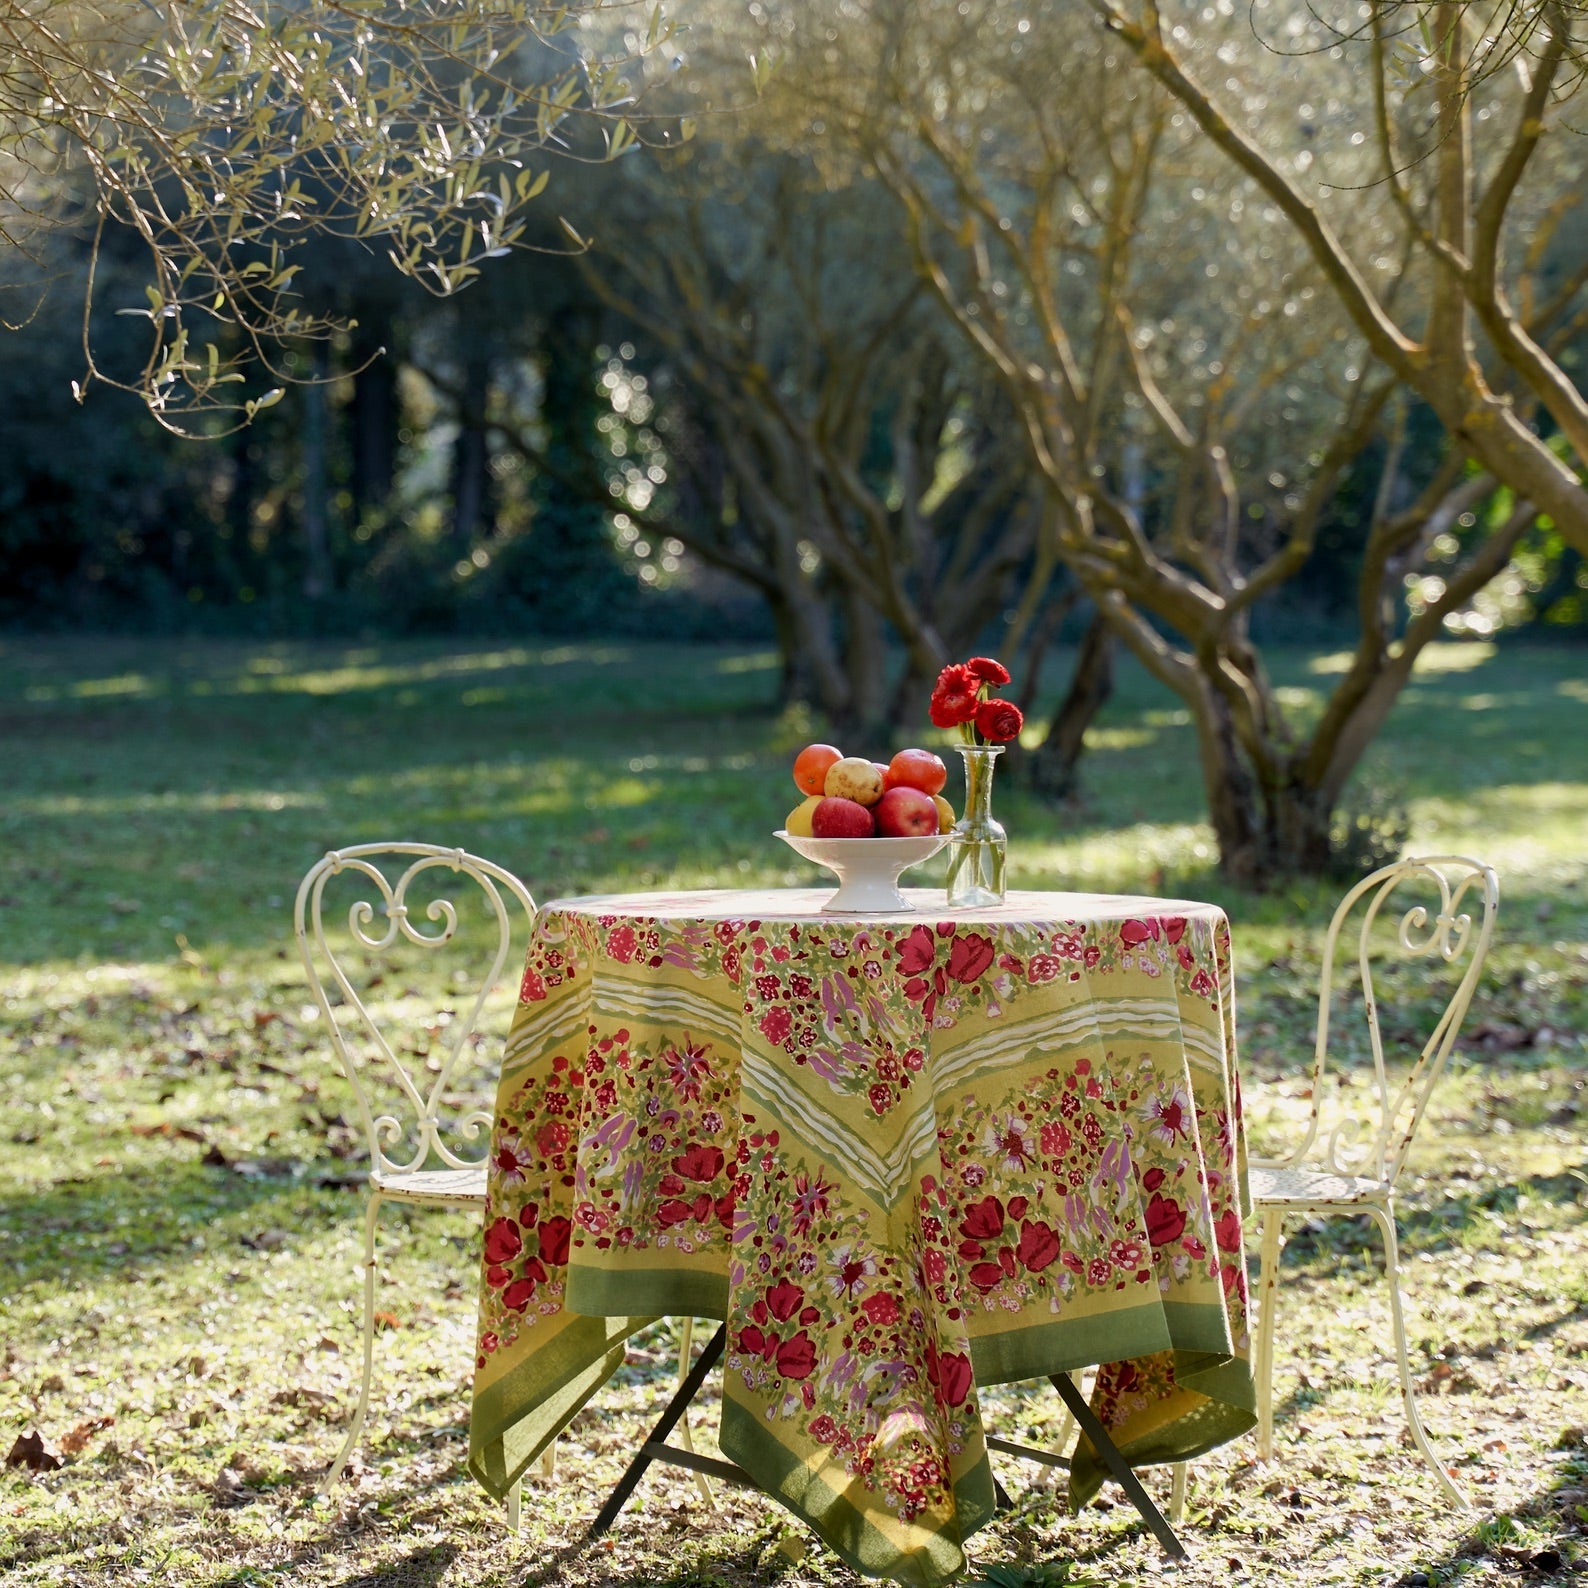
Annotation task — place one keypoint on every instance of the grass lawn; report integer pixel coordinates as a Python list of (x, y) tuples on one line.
[(178, 1236)]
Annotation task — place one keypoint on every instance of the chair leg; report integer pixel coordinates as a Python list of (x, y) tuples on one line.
[(1385, 1219), (686, 1437), (1267, 1308), (514, 1507), (371, 1215), (1177, 1492)]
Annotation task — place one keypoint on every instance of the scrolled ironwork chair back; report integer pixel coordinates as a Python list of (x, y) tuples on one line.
[(1446, 905), (428, 1130)]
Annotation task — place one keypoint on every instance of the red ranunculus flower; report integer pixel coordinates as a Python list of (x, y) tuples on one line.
[(1038, 1245), (970, 956), (989, 671), (554, 1235), (672, 1212), (1165, 1220), (1227, 1231), (954, 696), (984, 1220), (796, 1358), (984, 1276), (999, 720), (752, 1340), (502, 1242)]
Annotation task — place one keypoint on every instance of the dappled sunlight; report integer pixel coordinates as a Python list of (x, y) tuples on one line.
[(204, 801), (1119, 738), (1528, 831), (368, 673), (1442, 656), (754, 662), (219, 671)]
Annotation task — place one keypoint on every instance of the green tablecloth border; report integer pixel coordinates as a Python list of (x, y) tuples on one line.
[(842, 1525), (588, 1353), (668, 1293)]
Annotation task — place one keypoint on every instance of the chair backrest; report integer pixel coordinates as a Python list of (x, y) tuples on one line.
[(509, 908), (1446, 906)]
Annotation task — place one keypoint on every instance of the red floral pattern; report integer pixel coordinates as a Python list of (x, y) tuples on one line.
[(1095, 1175)]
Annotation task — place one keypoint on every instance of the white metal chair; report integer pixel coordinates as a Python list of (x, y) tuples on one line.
[(1354, 1147), (402, 1151)]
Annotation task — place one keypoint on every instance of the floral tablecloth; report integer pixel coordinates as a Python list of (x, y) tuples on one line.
[(901, 1157)]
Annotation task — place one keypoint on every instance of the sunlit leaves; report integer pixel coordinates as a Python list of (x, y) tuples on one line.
[(225, 135)]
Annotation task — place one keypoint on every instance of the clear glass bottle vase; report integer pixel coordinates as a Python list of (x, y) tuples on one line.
[(976, 854)]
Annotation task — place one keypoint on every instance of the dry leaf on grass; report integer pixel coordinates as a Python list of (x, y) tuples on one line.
[(75, 1440), (32, 1452)]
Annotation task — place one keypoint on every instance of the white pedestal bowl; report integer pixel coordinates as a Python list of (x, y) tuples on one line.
[(867, 869)]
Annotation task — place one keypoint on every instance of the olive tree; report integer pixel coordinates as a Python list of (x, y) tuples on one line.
[(1197, 398), (227, 133)]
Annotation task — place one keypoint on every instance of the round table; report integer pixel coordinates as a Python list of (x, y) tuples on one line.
[(899, 1157)]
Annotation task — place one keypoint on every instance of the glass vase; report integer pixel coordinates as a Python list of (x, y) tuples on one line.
[(976, 853)]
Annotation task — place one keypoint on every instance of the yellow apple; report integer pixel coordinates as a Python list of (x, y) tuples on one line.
[(854, 778), (945, 813), (799, 819)]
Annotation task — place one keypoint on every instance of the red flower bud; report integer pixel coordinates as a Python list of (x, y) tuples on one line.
[(999, 720), (989, 671)]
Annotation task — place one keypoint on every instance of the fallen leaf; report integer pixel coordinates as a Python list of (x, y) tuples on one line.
[(75, 1440), (32, 1452), (386, 1320)]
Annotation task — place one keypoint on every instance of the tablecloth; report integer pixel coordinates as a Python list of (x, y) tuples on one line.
[(901, 1157)]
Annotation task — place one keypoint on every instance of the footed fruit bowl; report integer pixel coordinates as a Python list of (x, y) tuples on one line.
[(867, 868)]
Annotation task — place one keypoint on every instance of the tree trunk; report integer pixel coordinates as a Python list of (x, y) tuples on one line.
[(1298, 826), (1052, 766), (374, 430), (316, 517), (471, 476), (865, 664)]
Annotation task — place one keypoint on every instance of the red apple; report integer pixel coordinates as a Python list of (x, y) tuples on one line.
[(841, 818), (916, 769), (906, 813)]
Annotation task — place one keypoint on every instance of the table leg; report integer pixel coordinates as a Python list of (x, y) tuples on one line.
[(1118, 1467), (665, 1424)]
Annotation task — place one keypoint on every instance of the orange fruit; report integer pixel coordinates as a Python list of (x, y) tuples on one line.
[(810, 767)]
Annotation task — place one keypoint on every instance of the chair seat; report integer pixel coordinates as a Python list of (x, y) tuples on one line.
[(461, 1186), (1302, 1188)]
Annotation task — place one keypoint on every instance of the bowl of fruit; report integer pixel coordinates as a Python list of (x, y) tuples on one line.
[(867, 822)]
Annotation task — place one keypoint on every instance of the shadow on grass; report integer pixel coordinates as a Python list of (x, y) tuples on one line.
[(104, 1227)]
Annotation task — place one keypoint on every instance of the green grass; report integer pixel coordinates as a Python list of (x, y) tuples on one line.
[(158, 804)]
